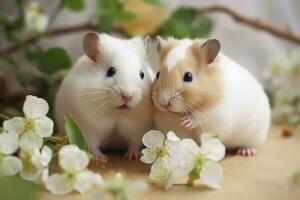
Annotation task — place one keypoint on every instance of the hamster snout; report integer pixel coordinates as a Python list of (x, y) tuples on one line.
[(168, 101)]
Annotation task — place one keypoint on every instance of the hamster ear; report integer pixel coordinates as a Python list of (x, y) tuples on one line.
[(211, 49), (160, 42), (147, 42), (91, 45)]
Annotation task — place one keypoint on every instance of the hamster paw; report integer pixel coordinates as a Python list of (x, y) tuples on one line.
[(98, 153), (187, 122), (133, 154), (246, 152)]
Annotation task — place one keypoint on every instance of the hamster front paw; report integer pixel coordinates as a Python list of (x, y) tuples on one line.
[(97, 152), (247, 152), (133, 153), (187, 122)]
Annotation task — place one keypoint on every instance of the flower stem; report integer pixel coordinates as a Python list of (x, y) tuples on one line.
[(190, 182)]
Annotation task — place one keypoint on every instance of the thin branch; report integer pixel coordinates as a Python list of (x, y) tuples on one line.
[(54, 32), (281, 33), (50, 33), (3, 117)]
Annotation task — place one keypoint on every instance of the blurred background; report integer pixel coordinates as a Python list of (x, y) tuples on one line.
[(41, 39)]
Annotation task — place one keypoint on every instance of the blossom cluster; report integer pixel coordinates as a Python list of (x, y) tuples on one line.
[(172, 158), (36, 20), (283, 75), (22, 140), (22, 152)]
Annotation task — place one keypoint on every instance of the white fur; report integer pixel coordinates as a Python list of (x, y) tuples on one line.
[(241, 119), (177, 54), (91, 97)]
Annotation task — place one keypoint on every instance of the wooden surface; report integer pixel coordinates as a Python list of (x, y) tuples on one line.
[(266, 176)]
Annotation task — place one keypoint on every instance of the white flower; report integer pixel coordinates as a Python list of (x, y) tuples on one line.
[(34, 126), (203, 161), (36, 20), (162, 174), (165, 154), (75, 174), (118, 187), (35, 163), (9, 165)]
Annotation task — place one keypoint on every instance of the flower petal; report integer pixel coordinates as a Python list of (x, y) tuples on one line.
[(71, 158), (46, 156), (9, 143), (206, 136), (35, 107), (161, 173), (153, 139), (10, 165), (182, 158), (86, 180), (59, 184), (191, 145), (211, 173), (44, 126), (15, 125), (171, 136), (31, 171), (149, 156), (213, 149), (30, 140)]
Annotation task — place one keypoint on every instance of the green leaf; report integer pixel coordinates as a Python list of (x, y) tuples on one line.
[(74, 133), (14, 188), (185, 22), (201, 27), (124, 15), (105, 23), (53, 60), (152, 1), (74, 5), (110, 12)]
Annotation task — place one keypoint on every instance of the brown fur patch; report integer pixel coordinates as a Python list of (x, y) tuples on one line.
[(168, 46), (204, 91)]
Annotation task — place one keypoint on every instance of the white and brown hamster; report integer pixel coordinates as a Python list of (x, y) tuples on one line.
[(108, 92), (198, 89)]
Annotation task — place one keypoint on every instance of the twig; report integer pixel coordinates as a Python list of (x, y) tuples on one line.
[(53, 32), (281, 33), (3, 117)]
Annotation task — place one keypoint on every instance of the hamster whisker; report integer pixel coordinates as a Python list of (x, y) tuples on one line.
[(201, 114), (93, 100), (101, 106), (191, 115), (93, 93)]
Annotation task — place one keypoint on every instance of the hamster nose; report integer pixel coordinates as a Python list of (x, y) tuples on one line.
[(126, 96), (166, 103)]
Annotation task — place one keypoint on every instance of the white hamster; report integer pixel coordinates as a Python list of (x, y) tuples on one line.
[(201, 90), (108, 92)]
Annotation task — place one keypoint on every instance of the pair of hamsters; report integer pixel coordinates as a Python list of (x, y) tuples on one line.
[(112, 89)]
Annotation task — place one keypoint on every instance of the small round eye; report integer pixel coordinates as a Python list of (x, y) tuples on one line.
[(111, 72), (157, 75), (142, 74), (188, 77)]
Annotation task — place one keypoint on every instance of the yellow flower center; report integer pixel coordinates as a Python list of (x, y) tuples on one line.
[(162, 151), (71, 176), (200, 159), (29, 124)]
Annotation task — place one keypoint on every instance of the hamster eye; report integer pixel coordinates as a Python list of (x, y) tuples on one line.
[(188, 77), (111, 72), (157, 75), (142, 74)]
